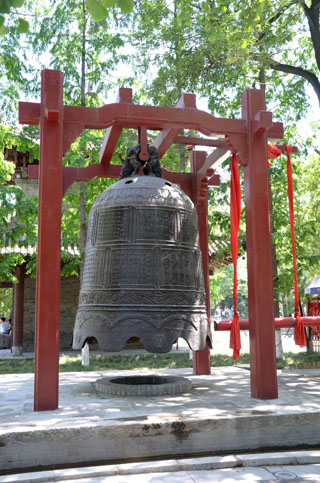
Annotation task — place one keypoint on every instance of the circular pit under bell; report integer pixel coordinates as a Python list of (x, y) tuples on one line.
[(148, 385)]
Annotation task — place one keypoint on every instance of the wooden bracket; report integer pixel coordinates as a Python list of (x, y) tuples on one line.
[(261, 122), (238, 145), (70, 133)]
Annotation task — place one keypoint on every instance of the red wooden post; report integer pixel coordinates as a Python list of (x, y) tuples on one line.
[(49, 243), (201, 359), (18, 302), (260, 282)]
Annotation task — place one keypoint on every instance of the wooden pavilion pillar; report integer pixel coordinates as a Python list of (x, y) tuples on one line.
[(18, 306), (201, 359), (259, 252), (49, 243)]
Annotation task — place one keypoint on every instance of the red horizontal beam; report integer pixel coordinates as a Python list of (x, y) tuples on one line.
[(284, 149), (194, 141), (72, 173), (279, 323), (131, 115), (29, 113)]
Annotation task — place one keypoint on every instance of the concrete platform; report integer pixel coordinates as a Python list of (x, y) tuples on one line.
[(217, 416)]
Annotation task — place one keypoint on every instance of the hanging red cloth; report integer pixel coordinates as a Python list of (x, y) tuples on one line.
[(235, 214), (299, 333), (273, 152)]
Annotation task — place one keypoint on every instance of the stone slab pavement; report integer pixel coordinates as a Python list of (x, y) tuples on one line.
[(263, 467), (217, 415), (223, 393)]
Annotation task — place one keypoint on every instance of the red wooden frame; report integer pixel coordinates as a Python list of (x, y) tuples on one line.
[(247, 137)]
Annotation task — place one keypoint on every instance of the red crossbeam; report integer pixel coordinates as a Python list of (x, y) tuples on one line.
[(194, 141), (153, 117), (73, 173), (279, 323)]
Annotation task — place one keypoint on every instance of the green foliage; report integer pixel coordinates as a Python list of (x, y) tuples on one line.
[(84, 50), (9, 12), (18, 214), (6, 295), (220, 48), (98, 9), (221, 289)]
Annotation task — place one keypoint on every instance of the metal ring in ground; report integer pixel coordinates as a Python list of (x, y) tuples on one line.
[(150, 385)]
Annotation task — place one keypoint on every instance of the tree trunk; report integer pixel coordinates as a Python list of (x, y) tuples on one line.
[(82, 186), (182, 157)]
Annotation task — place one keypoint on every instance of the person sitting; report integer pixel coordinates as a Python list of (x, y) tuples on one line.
[(4, 326)]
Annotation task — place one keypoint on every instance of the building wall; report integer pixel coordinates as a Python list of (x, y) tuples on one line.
[(70, 288)]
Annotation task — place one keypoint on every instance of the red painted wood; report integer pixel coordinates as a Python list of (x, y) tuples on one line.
[(18, 307), (113, 133), (279, 323), (260, 278), (109, 144), (131, 115), (71, 174), (143, 141), (194, 141), (214, 180), (49, 244), (201, 359), (251, 147), (29, 113), (166, 137), (153, 117)]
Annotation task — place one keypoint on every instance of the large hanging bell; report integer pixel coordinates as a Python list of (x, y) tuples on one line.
[(142, 274)]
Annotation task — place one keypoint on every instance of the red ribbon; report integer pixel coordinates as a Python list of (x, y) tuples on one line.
[(273, 151), (299, 333), (235, 214)]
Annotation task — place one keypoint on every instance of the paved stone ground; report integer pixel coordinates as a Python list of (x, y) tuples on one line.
[(217, 415), (263, 467)]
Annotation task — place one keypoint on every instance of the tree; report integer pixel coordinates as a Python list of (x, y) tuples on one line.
[(223, 48), (85, 51), (9, 20)]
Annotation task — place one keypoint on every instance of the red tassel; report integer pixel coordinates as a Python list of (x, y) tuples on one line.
[(235, 340), (299, 333)]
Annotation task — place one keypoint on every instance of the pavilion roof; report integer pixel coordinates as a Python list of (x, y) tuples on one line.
[(313, 287)]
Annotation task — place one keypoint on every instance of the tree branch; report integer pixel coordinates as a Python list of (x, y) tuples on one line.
[(312, 15), (276, 16), (306, 74), (315, 4)]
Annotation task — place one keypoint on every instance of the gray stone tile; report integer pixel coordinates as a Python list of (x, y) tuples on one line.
[(301, 471), (248, 475)]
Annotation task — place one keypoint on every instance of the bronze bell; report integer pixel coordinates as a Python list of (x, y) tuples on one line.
[(142, 274)]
